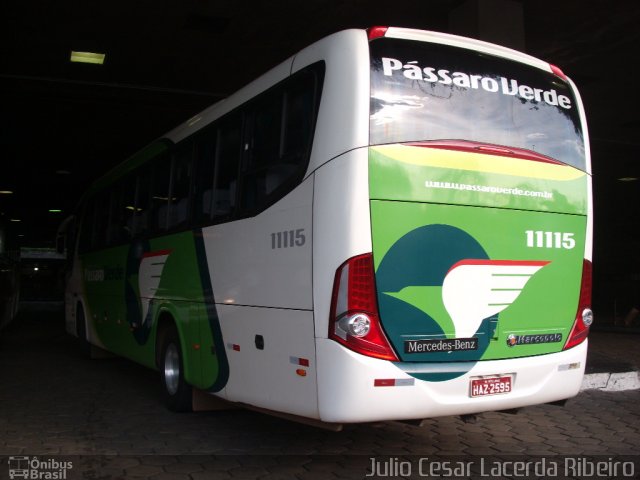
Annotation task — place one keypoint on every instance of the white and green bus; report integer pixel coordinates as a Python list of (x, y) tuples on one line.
[(392, 224)]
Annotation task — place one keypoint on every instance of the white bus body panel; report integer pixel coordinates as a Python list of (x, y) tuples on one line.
[(342, 225), (247, 270), (268, 378), (264, 290), (347, 393)]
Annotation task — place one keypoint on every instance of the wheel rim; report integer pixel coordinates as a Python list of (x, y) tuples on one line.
[(172, 369)]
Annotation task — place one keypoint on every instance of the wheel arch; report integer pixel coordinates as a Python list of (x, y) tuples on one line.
[(169, 331)]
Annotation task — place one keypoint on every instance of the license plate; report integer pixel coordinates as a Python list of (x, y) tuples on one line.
[(495, 385)]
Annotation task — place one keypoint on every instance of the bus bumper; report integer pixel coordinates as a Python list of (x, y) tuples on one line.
[(354, 388)]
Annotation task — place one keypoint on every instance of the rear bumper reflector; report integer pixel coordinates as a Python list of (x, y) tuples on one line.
[(394, 382)]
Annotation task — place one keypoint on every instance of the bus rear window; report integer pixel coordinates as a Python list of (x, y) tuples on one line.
[(423, 91)]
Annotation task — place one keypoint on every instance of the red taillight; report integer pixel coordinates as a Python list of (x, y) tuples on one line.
[(354, 320), (558, 73), (489, 149), (584, 315), (376, 32)]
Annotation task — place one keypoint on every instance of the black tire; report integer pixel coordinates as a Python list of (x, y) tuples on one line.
[(176, 392)]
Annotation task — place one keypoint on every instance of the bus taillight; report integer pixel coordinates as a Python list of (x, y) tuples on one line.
[(558, 72), (354, 321), (584, 315), (376, 32)]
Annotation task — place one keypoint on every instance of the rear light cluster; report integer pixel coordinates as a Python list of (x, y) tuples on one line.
[(584, 315), (376, 32), (354, 320), (558, 72), (486, 148)]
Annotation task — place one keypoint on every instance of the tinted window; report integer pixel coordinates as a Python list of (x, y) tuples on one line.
[(203, 178), (160, 194), (128, 207), (115, 232), (143, 207), (180, 185), (228, 147), (278, 134), (254, 156), (422, 91), (86, 227), (299, 119), (101, 221)]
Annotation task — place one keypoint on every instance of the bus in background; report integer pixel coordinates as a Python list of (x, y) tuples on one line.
[(392, 224)]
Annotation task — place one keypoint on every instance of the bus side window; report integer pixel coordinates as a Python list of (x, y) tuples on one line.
[(100, 221), (262, 150), (127, 208), (86, 228), (299, 116), (278, 134), (160, 194), (297, 129), (203, 177), (180, 185), (141, 221), (114, 231), (226, 169)]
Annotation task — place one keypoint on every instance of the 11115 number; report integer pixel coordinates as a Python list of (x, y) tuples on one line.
[(541, 239), (288, 239)]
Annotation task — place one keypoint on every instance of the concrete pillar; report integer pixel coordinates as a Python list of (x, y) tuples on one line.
[(496, 21)]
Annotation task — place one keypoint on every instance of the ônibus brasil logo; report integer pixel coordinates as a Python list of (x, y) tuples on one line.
[(36, 468)]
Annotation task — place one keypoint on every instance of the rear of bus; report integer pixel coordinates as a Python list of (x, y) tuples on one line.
[(476, 293)]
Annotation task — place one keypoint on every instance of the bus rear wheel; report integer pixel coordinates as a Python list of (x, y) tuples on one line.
[(176, 391)]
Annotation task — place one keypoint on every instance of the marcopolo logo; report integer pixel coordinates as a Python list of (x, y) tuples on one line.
[(513, 340), (506, 86), (40, 469)]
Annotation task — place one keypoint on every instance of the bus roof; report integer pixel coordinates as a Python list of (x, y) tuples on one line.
[(468, 43)]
